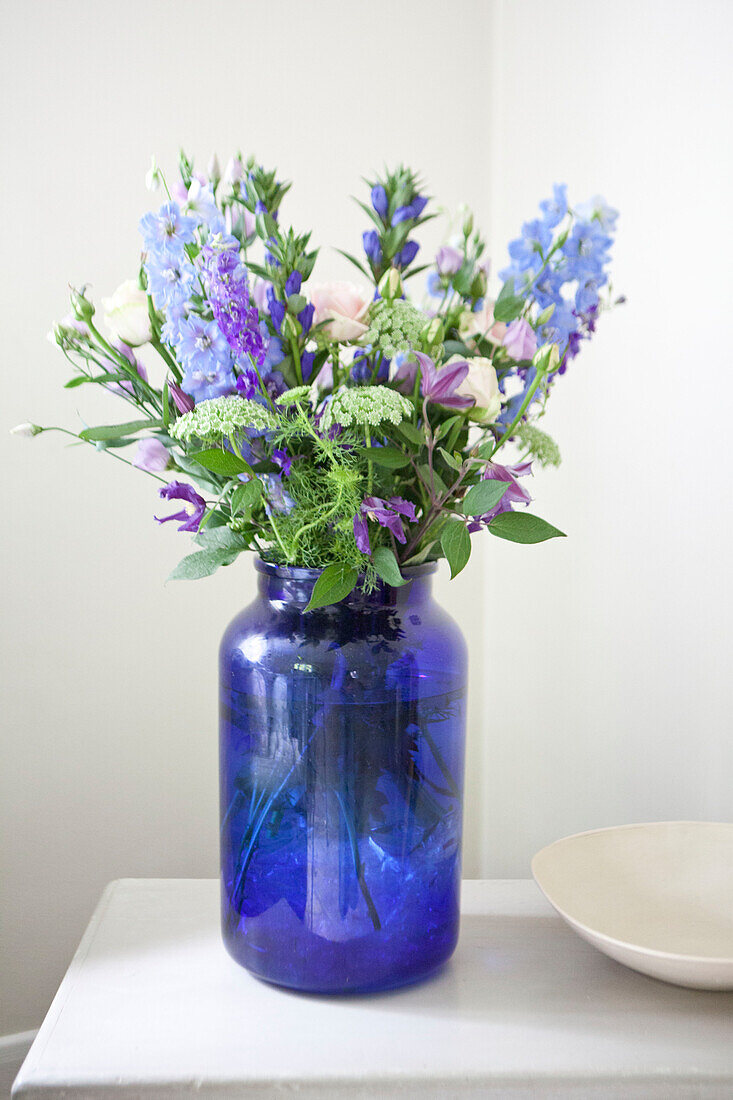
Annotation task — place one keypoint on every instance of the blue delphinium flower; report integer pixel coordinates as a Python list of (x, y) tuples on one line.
[(227, 289), (170, 280), (201, 345), (555, 209), (167, 231), (202, 385)]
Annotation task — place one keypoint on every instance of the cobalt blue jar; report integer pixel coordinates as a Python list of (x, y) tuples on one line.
[(342, 751)]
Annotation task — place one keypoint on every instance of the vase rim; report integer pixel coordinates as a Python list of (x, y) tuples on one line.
[(301, 573)]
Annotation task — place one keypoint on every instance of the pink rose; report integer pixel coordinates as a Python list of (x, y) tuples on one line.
[(520, 340), (343, 306)]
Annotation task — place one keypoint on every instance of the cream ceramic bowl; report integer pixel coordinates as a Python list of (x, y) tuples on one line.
[(656, 897)]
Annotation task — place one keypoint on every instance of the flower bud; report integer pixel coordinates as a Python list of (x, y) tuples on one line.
[(478, 284), (82, 307), (26, 429), (213, 171), (547, 358), (390, 285), (290, 327), (433, 333), (152, 176), (468, 225), (546, 314)]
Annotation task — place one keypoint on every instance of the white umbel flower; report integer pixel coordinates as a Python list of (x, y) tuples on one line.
[(368, 405), (221, 418)]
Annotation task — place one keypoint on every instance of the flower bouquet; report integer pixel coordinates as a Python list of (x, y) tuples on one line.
[(350, 437)]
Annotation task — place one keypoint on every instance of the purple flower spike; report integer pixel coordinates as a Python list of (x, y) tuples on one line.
[(190, 517), (439, 386)]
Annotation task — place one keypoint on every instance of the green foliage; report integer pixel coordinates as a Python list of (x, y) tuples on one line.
[(523, 527), (456, 543), (484, 496), (334, 584), (387, 566)]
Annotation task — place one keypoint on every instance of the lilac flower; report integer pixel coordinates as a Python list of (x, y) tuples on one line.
[(387, 514), (225, 278), (448, 260), (407, 254), (520, 340), (167, 231), (380, 201), (151, 456), (439, 386), (372, 247), (189, 516), (183, 401)]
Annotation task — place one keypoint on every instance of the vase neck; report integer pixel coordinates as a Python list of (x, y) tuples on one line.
[(293, 587)]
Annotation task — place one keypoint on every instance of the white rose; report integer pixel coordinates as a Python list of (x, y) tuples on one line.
[(482, 385), (126, 314), (343, 306)]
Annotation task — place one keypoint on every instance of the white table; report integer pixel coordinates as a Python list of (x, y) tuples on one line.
[(152, 1006)]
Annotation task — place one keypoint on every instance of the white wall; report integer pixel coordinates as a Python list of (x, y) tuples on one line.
[(599, 662)]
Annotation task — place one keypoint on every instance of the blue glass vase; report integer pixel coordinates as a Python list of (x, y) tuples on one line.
[(342, 752)]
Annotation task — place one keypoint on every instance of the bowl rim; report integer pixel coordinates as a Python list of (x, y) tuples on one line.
[(723, 960)]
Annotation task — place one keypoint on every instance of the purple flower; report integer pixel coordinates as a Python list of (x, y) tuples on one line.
[(387, 514), (520, 340), (306, 364), (412, 211), (372, 247), (151, 456), (294, 280), (183, 402), (283, 460), (448, 260), (439, 386), (407, 254), (306, 316), (192, 515), (225, 277), (277, 309), (126, 386), (380, 201), (515, 494)]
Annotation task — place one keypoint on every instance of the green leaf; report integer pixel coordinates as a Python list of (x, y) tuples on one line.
[(333, 585), (445, 427), (81, 379), (456, 543), (202, 564), (114, 431), (411, 433), (296, 303), (437, 480), (486, 449), (481, 498), (220, 538), (386, 565), (507, 306), (455, 347), (523, 527), (352, 259), (246, 495), (221, 462), (449, 458), (390, 457)]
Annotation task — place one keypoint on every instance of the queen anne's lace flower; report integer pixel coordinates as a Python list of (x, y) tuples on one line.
[(298, 395), (370, 405), (394, 326), (222, 418)]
